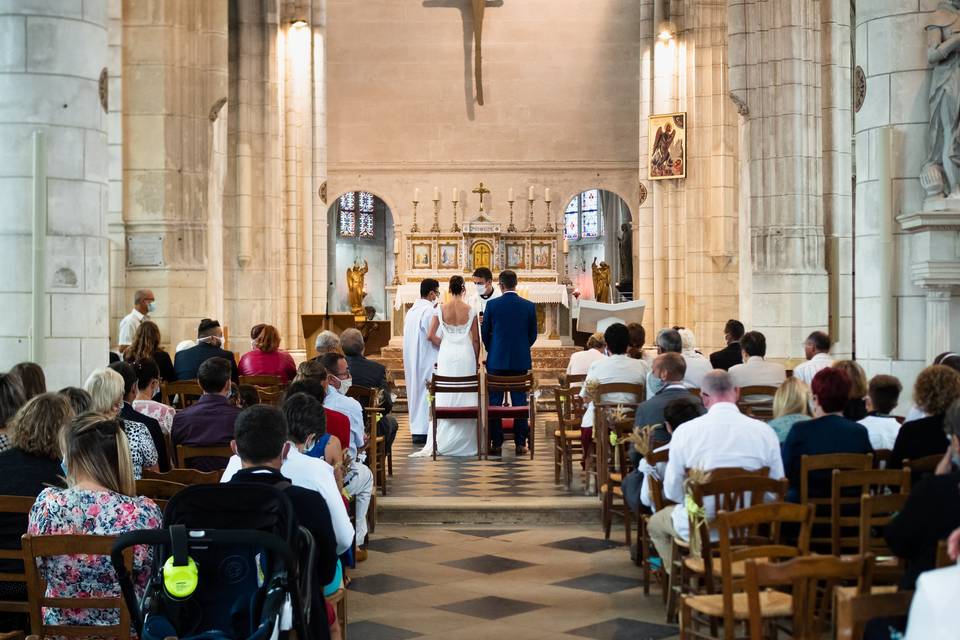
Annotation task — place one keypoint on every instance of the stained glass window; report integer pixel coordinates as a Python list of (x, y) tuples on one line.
[(573, 206), (347, 201), (591, 224), (589, 200), (366, 201), (354, 223), (366, 225), (571, 229)]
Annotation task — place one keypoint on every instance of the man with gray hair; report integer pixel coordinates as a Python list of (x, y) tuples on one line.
[(373, 375), (143, 305), (670, 341), (723, 437), (327, 342)]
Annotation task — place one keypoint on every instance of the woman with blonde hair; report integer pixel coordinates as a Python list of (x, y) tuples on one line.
[(791, 405), (105, 387), (856, 408), (266, 358), (100, 499), (146, 344)]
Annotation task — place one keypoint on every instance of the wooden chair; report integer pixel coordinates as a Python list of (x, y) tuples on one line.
[(757, 401), (339, 602), (812, 580), (922, 467), (376, 445), (180, 394), (943, 556), (738, 535), (876, 512), (37, 547), (881, 458), (636, 391), (613, 466), (184, 476), (456, 384), (864, 608), (261, 381), (823, 465), (510, 384), (160, 491), (846, 489), (186, 452), (15, 505), (566, 437), (645, 548)]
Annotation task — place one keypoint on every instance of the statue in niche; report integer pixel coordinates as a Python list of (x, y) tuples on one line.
[(356, 274), (601, 281), (625, 241), (941, 172)]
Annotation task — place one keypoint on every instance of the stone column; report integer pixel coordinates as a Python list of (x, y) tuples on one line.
[(53, 59), (938, 322)]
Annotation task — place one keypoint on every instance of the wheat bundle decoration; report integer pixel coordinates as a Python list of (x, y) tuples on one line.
[(640, 438), (696, 512)]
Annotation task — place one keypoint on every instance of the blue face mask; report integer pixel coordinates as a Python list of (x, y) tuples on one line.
[(63, 465), (151, 307)]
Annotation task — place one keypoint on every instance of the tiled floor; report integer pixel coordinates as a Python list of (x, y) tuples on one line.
[(524, 583)]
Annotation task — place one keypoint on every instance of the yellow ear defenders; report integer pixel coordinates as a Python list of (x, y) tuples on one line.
[(180, 572)]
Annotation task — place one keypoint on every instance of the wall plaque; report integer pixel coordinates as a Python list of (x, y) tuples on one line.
[(481, 227), (145, 250)]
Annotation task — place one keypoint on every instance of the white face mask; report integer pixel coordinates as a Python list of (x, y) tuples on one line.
[(345, 385), (481, 289), (151, 307)]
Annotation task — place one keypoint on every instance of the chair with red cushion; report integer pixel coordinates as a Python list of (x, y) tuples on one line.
[(455, 384), (509, 385)]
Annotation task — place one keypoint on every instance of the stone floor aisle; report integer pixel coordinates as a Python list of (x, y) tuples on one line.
[(521, 583)]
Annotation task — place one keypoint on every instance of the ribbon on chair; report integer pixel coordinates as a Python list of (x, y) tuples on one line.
[(697, 513)]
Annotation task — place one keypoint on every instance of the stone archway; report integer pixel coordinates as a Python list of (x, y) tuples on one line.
[(593, 221)]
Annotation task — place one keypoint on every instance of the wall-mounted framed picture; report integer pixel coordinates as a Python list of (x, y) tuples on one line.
[(422, 256), (449, 256), (542, 256), (667, 138), (515, 257)]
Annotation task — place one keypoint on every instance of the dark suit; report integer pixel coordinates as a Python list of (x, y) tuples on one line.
[(207, 423), (829, 434), (156, 433), (373, 375), (727, 357), (508, 331), (188, 361), (918, 439), (651, 412)]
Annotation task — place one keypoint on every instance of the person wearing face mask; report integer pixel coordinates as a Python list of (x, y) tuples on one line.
[(338, 383), (209, 345), (484, 291), (419, 358), (143, 305), (932, 511), (148, 383)]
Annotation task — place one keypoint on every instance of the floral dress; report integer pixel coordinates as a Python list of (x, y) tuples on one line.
[(142, 449), (79, 511), (5, 442), (158, 411)]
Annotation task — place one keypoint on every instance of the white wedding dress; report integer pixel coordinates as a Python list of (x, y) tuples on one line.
[(456, 358)]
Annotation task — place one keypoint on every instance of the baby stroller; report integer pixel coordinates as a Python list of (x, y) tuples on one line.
[(225, 566)]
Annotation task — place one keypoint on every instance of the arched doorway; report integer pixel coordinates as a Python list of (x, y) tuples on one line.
[(360, 231), (598, 225)]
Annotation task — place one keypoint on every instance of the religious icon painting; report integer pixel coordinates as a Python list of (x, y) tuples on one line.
[(421, 256), (448, 256), (541, 256), (668, 146), (515, 256)]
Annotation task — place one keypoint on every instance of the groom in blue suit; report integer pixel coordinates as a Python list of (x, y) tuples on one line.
[(508, 331)]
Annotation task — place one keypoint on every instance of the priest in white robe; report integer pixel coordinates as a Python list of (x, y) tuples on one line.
[(419, 358)]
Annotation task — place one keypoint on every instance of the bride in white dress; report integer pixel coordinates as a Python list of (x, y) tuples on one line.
[(455, 331)]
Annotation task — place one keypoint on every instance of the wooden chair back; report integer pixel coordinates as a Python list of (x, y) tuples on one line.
[(573, 380), (846, 489), (456, 384), (757, 401), (14, 505), (943, 555), (922, 466), (510, 384), (261, 381), (366, 396), (184, 476), (637, 391), (881, 458), (866, 607), (812, 580), (453, 384), (37, 547), (181, 393), (160, 491), (272, 396), (656, 484), (824, 465), (876, 512), (186, 452)]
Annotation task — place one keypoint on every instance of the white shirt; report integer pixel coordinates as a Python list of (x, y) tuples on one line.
[(580, 361), (881, 430), (335, 401), (757, 372), (697, 368), (616, 368), (648, 470), (314, 474), (478, 303), (129, 325), (932, 611), (723, 437), (806, 370)]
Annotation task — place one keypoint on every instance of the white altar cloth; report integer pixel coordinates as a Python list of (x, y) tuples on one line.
[(537, 292)]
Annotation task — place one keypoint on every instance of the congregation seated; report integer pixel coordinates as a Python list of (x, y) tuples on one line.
[(99, 499), (105, 387), (243, 396), (209, 422), (148, 386), (146, 345), (856, 407), (670, 341), (78, 398), (932, 510), (31, 377), (791, 404), (669, 369), (688, 343), (127, 412), (209, 345), (327, 342), (827, 432), (732, 354), (338, 380), (935, 388), (816, 348), (580, 361), (11, 399), (337, 424), (754, 371), (883, 393), (638, 336), (266, 358), (372, 375), (721, 438), (261, 443), (618, 367)]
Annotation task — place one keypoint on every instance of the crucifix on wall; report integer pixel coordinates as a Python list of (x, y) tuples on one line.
[(476, 9)]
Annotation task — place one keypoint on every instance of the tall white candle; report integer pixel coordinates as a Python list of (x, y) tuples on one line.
[(416, 195), (436, 193), (546, 195), (566, 246), (510, 194), (396, 245), (456, 195), (530, 193)]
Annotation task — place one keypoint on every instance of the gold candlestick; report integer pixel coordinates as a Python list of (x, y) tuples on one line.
[(455, 226), (530, 225), (549, 227), (414, 228), (511, 228), (436, 217), (566, 269)]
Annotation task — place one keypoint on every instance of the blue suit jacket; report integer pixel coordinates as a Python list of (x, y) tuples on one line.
[(508, 331)]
